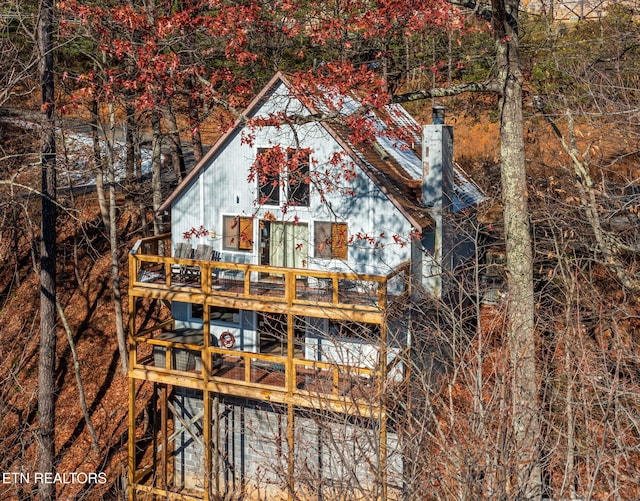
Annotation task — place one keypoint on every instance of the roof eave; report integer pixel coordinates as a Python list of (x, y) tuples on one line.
[(239, 123)]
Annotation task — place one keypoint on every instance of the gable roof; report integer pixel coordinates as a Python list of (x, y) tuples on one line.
[(391, 163)]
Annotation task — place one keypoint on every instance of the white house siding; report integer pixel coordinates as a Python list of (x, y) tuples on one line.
[(223, 189), (335, 456)]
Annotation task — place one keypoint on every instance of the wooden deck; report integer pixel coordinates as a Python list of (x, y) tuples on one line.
[(276, 378), (281, 376), (262, 288)]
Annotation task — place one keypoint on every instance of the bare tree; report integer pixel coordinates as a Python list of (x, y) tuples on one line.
[(47, 360), (18, 59)]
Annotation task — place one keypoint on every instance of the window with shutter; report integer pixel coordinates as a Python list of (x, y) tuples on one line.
[(339, 240), (331, 240), (237, 233)]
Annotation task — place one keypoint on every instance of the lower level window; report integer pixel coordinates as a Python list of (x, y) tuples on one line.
[(217, 313)]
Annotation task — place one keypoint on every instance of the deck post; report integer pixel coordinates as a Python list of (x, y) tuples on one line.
[(216, 441), (383, 410), (206, 399), (132, 396), (132, 440), (165, 441), (290, 408), (291, 447)]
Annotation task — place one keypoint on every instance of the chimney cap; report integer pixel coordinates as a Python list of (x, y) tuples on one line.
[(437, 114)]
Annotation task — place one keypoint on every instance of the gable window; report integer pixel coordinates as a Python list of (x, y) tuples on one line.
[(283, 177), (298, 178), (238, 233), (330, 240), (269, 176)]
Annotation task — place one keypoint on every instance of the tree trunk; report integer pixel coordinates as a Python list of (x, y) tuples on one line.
[(130, 160), (98, 164), (115, 249), (156, 170), (177, 157), (81, 395), (521, 306), (47, 360), (194, 120)]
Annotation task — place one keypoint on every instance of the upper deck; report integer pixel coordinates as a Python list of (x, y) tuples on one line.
[(299, 291)]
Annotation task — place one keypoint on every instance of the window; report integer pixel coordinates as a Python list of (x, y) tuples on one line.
[(268, 176), (238, 233), (331, 240), (217, 314), (298, 178), (283, 177), (196, 310)]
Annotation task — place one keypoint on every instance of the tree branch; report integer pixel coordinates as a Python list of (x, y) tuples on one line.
[(608, 245), (481, 10), (453, 90)]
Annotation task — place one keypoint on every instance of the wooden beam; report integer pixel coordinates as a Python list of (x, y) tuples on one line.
[(164, 416), (290, 387), (383, 412), (353, 313), (291, 452), (300, 398), (216, 442)]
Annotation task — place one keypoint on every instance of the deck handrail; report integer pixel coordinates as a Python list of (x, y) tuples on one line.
[(337, 282), (250, 360)]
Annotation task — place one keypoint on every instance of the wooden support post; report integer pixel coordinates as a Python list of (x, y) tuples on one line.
[(165, 433), (132, 439), (290, 375), (155, 433), (383, 410), (206, 399), (290, 287), (206, 431), (383, 452), (132, 330), (247, 369), (132, 400), (246, 280), (291, 447), (216, 442), (205, 278), (290, 409), (382, 295)]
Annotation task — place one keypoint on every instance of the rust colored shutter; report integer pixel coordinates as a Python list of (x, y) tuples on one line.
[(339, 240), (246, 233)]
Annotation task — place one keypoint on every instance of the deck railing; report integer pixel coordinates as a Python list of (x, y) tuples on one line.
[(349, 388), (292, 286)]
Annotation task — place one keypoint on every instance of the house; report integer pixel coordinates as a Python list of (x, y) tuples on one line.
[(303, 236)]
